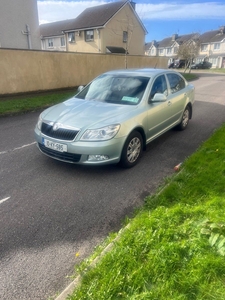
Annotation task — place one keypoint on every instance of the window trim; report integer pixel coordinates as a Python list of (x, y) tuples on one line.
[(216, 46), (168, 50), (72, 34), (50, 43), (204, 47), (89, 37), (62, 38), (125, 36)]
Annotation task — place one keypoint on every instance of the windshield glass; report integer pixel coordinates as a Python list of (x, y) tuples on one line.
[(118, 89)]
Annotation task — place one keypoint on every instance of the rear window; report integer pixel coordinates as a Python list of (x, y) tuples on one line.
[(176, 82)]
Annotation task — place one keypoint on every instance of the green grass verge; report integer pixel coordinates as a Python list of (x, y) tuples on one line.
[(174, 248), (215, 70), (21, 104)]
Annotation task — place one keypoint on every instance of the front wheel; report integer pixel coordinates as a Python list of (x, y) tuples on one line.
[(185, 119), (132, 150)]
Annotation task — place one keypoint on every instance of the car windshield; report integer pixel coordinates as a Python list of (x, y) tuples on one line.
[(119, 89)]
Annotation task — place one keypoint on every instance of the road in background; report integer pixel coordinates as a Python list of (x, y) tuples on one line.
[(50, 211)]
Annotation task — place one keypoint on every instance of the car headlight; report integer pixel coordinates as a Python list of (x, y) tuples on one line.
[(39, 123), (101, 134)]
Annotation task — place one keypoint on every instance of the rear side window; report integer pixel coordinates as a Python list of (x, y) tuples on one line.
[(176, 82)]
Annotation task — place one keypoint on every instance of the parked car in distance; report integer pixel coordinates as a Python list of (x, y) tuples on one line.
[(171, 65), (179, 63), (202, 65), (114, 117)]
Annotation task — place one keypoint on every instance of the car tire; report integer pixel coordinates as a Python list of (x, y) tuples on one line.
[(185, 119), (132, 150)]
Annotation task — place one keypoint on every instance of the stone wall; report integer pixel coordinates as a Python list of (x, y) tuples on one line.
[(24, 71)]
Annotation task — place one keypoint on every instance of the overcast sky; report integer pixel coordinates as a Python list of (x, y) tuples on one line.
[(161, 18)]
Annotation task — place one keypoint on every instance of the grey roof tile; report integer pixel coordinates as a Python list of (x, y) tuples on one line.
[(54, 29), (96, 16), (213, 36)]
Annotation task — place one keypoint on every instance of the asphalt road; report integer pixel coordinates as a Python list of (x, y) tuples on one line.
[(49, 210)]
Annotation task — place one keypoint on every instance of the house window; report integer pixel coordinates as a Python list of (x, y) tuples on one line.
[(152, 51), (169, 50), (125, 36), (89, 35), (175, 50), (62, 40), (50, 43), (204, 47), (216, 46), (213, 61), (161, 51), (71, 37)]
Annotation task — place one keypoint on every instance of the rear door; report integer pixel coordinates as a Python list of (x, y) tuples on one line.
[(177, 96)]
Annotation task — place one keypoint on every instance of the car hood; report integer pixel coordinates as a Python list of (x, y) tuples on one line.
[(79, 113)]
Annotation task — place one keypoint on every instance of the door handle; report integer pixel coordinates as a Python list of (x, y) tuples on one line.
[(169, 103)]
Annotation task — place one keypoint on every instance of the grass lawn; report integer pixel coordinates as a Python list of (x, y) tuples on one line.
[(174, 247), (22, 104)]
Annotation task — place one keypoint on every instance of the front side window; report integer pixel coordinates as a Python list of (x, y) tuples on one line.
[(125, 36), (71, 37), (159, 86), (216, 46), (115, 89), (89, 35), (176, 82), (50, 43)]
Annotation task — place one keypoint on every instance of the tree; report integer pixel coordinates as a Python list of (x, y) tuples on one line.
[(189, 51)]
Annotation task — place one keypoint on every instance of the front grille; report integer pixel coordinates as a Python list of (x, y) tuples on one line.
[(65, 156), (60, 133)]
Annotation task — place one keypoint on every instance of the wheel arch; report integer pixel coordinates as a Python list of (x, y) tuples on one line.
[(189, 105), (142, 132)]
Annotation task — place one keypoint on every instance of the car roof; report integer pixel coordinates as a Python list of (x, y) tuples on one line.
[(149, 72)]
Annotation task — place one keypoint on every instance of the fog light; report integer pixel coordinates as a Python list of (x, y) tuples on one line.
[(97, 157)]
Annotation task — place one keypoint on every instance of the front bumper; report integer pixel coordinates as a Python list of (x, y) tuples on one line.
[(78, 151)]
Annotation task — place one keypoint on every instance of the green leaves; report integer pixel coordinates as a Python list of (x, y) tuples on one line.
[(216, 235)]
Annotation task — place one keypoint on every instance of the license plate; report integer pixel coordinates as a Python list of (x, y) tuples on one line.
[(55, 146)]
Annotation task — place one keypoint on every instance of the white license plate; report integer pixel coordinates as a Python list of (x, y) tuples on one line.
[(55, 146)]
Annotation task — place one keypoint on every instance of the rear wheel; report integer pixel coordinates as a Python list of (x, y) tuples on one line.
[(185, 119), (132, 150)]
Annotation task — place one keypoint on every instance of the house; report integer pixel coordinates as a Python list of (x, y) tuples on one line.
[(213, 47), (108, 28), (169, 46), (52, 36), (19, 25)]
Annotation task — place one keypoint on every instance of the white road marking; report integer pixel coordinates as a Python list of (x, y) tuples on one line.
[(18, 148), (3, 200)]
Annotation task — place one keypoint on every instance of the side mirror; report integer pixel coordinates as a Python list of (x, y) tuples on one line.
[(80, 88), (158, 97)]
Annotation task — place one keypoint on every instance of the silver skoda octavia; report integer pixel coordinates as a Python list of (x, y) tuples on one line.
[(115, 116)]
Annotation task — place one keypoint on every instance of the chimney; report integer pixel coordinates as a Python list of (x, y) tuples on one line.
[(222, 29), (174, 37)]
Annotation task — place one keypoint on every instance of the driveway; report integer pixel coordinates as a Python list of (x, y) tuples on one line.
[(50, 211)]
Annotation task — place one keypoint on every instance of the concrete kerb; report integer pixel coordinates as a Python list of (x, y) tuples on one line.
[(75, 283)]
